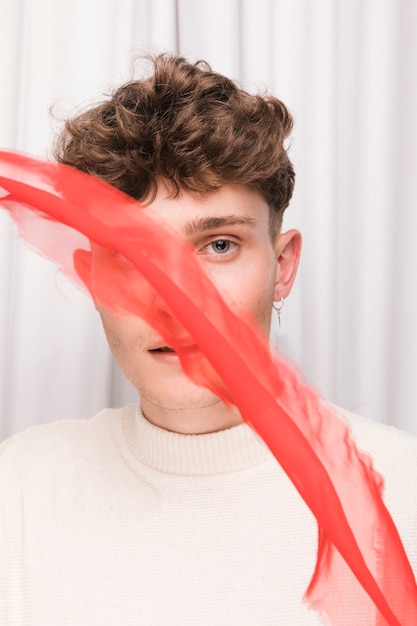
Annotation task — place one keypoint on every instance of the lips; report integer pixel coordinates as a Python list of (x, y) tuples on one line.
[(186, 343), (187, 349), (162, 349)]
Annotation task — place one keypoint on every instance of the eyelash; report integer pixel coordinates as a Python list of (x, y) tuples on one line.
[(231, 247)]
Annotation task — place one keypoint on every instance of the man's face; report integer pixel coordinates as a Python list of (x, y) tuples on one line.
[(229, 230)]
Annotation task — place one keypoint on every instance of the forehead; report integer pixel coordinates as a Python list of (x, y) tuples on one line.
[(231, 205)]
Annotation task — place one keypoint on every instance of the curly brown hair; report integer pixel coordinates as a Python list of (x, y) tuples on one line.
[(189, 125)]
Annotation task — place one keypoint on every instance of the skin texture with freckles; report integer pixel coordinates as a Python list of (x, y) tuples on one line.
[(229, 230)]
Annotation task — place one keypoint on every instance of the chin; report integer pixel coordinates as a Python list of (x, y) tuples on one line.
[(166, 386), (182, 397)]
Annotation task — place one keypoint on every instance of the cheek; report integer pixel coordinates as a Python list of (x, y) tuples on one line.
[(124, 334), (262, 307), (114, 339), (251, 290)]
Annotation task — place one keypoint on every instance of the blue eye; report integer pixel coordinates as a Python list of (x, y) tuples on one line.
[(221, 245), (219, 250)]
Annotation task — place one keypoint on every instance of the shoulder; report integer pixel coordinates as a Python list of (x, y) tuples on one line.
[(391, 449), (56, 470), (394, 456), (57, 443)]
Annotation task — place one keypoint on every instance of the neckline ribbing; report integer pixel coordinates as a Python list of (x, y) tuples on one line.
[(227, 451)]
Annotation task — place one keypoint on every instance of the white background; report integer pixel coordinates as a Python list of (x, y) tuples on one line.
[(348, 72)]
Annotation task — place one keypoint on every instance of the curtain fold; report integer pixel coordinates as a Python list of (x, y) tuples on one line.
[(347, 70)]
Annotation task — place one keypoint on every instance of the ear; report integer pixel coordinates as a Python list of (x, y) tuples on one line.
[(288, 249), (82, 260)]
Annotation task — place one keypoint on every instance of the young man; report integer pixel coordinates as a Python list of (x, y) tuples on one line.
[(174, 511)]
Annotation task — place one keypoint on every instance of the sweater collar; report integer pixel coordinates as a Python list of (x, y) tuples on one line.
[(223, 452)]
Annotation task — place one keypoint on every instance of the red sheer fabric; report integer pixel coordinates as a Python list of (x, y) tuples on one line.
[(107, 245)]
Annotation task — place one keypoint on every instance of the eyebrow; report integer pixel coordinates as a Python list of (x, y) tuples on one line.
[(202, 224)]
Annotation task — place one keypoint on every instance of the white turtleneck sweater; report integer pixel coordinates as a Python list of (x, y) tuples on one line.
[(115, 522)]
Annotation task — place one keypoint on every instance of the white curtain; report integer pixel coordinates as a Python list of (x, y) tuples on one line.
[(348, 71)]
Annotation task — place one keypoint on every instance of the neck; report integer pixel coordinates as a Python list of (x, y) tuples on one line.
[(191, 420)]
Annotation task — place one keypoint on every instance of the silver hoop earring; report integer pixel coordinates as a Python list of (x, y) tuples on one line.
[(278, 306)]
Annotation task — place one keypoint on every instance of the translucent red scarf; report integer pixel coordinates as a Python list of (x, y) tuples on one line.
[(63, 214)]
